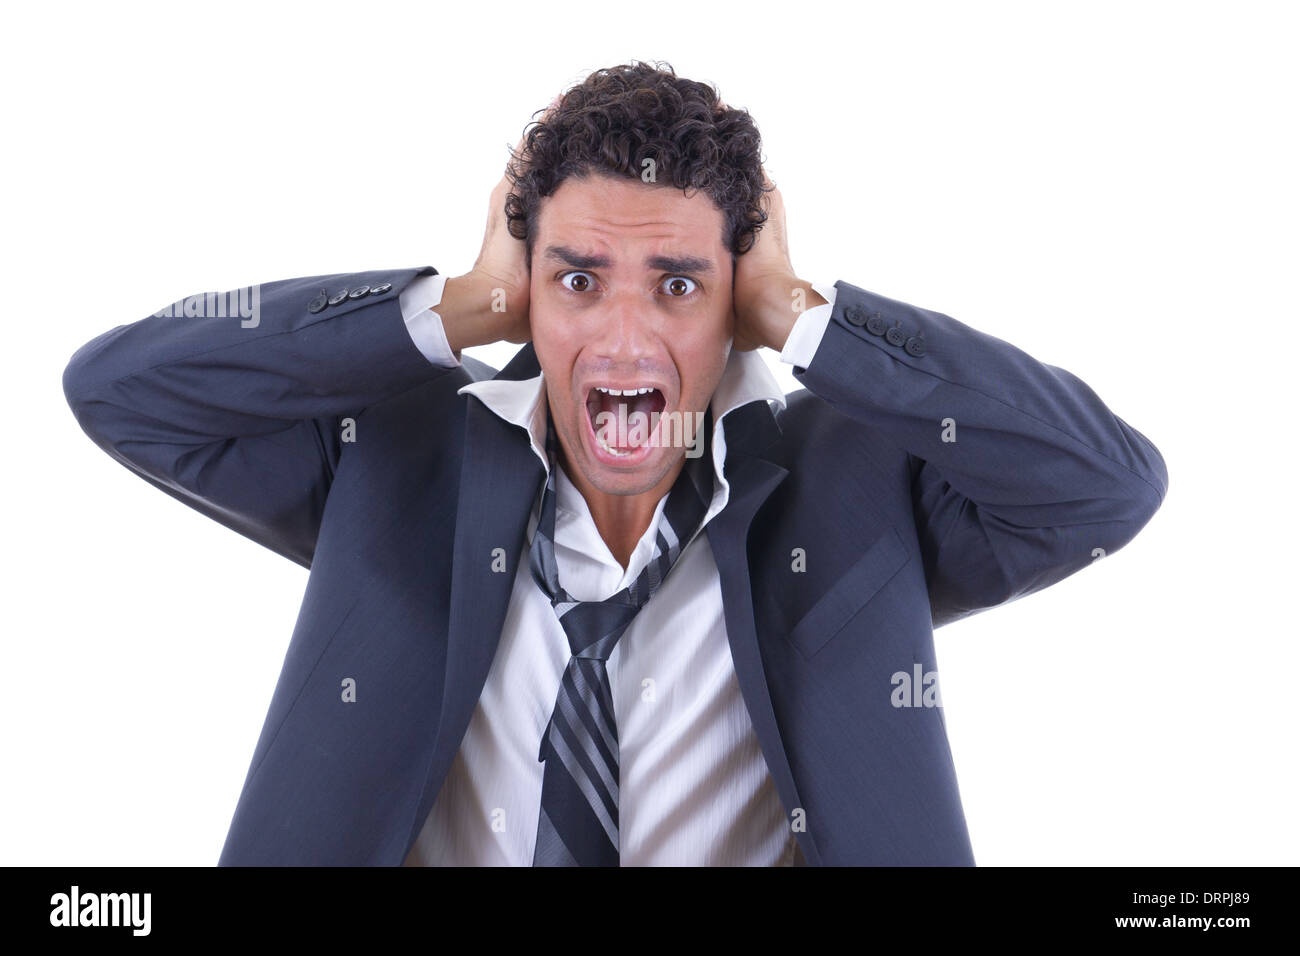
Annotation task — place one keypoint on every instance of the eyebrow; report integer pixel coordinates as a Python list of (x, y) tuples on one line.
[(576, 260)]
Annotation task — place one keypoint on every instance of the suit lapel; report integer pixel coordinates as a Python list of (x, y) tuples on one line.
[(749, 430), (500, 478)]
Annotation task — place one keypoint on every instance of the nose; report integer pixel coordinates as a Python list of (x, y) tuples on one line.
[(626, 330)]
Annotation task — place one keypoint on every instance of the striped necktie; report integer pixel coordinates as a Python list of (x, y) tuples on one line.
[(578, 821)]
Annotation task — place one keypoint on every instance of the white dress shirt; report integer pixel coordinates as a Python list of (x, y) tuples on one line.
[(694, 788)]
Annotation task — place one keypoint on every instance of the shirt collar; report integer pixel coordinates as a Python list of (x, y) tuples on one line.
[(745, 379)]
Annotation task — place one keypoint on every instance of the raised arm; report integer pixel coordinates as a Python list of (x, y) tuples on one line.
[(1020, 473), (240, 414)]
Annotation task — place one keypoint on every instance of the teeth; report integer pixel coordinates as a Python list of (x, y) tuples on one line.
[(613, 451), (625, 391)]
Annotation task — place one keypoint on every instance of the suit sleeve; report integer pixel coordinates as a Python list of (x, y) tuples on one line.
[(233, 402), (1020, 474)]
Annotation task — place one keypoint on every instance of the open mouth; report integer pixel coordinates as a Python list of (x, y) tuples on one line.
[(624, 420)]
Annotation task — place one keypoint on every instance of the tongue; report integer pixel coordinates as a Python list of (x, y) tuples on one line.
[(638, 429)]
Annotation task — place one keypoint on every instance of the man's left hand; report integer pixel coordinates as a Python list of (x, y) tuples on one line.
[(764, 301)]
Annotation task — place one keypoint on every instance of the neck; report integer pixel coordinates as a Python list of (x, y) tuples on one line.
[(622, 519)]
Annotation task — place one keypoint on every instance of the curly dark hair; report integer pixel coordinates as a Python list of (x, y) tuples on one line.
[(619, 117)]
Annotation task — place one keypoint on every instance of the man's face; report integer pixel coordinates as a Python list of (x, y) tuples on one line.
[(630, 289)]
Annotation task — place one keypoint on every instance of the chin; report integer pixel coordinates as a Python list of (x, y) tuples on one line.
[(632, 481)]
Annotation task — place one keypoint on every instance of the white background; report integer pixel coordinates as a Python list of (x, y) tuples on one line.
[(1109, 186)]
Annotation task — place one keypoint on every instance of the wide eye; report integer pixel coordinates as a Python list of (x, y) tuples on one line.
[(583, 281), (679, 286)]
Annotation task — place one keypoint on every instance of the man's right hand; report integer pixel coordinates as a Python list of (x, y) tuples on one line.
[(490, 302)]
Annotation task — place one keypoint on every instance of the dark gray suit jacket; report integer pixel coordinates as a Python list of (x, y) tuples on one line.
[(901, 532)]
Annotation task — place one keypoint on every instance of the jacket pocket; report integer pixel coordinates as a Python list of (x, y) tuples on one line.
[(850, 593)]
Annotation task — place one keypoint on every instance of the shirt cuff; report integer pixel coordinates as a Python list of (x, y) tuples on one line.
[(809, 328), (417, 301)]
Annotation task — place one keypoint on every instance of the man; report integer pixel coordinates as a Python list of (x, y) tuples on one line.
[(537, 631)]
